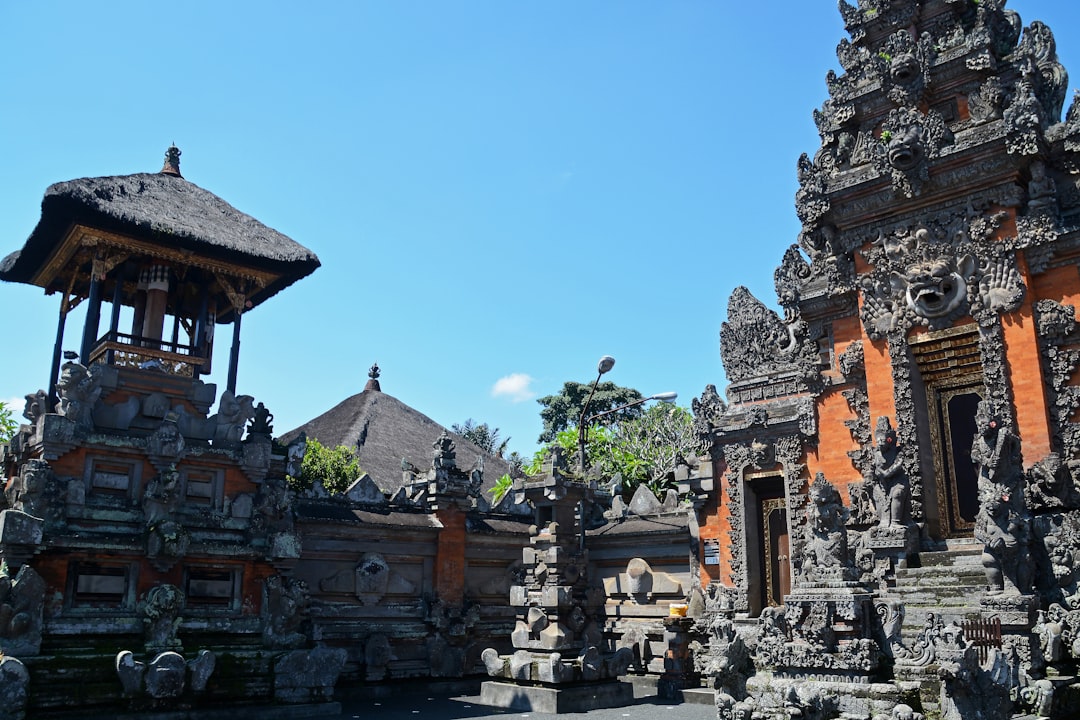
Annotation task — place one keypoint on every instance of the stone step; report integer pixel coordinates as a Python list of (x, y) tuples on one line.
[(950, 558), (941, 575)]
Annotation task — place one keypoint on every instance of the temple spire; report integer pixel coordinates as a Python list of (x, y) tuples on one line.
[(172, 162), (373, 379)]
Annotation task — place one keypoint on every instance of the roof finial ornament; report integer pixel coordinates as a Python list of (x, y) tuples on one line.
[(172, 162), (373, 378)]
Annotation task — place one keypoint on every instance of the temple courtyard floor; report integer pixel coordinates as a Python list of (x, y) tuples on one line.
[(423, 706)]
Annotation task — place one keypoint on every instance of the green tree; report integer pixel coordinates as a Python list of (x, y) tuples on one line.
[(643, 450), (336, 468), (646, 449), (8, 426), (563, 411), (483, 435)]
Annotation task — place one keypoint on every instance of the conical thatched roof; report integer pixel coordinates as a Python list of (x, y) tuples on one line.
[(384, 430)]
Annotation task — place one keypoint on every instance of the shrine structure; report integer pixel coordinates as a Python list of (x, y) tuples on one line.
[(921, 372)]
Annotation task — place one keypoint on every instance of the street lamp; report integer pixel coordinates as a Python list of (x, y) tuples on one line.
[(606, 363)]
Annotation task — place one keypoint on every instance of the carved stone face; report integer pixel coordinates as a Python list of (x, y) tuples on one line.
[(935, 288), (904, 69), (905, 151)]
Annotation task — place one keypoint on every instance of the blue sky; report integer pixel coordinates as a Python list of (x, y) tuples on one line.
[(500, 192)]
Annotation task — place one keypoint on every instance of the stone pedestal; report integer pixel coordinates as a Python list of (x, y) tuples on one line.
[(564, 699), (679, 673)]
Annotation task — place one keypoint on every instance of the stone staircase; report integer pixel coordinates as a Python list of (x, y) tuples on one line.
[(948, 583)]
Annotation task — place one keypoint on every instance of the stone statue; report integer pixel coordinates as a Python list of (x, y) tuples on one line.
[(1042, 192), (167, 442), (1002, 523), (79, 390), (826, 551), (294, 455), (1006, 538), (162, 496), (893, 499), (286, 600), (233, 414), (273, 506), (161, 617), (37, 404), (21, 601), (995, 451)]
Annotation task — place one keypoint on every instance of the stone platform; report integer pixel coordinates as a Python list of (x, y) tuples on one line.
[(563, 699)]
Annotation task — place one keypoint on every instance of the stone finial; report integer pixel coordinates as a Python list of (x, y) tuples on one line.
[(373, 378), (172, 162)]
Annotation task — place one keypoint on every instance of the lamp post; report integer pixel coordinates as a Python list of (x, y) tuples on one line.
[(606, 363)]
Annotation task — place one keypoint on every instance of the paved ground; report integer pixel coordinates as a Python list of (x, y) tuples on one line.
[(422, 706)]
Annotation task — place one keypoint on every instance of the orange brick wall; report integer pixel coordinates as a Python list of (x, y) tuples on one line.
[(715, 523), (450, 557)]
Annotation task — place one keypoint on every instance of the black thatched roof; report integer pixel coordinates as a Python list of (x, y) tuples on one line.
[(384, 430), (164, 209)]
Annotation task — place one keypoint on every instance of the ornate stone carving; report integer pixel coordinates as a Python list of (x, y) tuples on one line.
[(727, 664), (987, 104), (825, 555), (1002, 523), (708, 411), (37, 404), (1024, 121), (910, 140), (21, 601), (37, 492), (167, 542), (1050, 79), (79, 391), (294, 455), (755, 342), (790, 276), (166, 677), (922, 278), (451, 653), (891, 494), (166, 445), (286, 601), (905, 66), (160, 608), (811, 199), (234, 412), (377, 657), (162, 496)]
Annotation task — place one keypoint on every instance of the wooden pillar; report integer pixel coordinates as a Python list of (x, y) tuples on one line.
[(201, 348), (234, 354), (58, 347), (93, 318), (114, 316)]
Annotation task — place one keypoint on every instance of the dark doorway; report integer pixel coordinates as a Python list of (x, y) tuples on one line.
[(774, 546)]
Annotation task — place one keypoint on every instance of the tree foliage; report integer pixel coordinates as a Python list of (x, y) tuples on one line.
[(483, 435), (336, 468), (563, 411), (642, 450), (8, 425)]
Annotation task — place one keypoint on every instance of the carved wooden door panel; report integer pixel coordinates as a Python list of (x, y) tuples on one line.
[(776, 551), (950, 365)]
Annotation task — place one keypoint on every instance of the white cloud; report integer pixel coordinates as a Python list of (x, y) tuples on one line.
[(514, 386)]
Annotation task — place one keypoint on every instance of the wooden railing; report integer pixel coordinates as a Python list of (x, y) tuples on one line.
[(124, 350), (982, 635)]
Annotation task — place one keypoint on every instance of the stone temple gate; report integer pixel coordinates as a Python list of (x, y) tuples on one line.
[(884, 522)]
